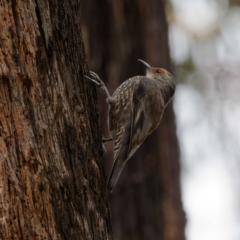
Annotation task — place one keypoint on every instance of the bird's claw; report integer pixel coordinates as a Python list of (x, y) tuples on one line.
[(104, 140), (94, 75), (96, 79), (93, 80)]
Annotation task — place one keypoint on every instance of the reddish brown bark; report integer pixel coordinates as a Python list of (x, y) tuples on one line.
[(52, 183)]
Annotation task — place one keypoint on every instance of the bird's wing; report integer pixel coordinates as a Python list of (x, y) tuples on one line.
[(147, 110)]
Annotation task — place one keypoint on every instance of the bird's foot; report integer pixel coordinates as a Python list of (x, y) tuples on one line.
[(104, 140), (96, 79), (103, 150)]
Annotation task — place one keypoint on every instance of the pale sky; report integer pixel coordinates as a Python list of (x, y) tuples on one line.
[(208, 115)]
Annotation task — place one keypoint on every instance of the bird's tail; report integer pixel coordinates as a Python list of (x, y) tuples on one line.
[(115, 173)]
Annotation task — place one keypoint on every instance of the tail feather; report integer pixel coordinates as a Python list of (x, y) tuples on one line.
[(115, 173)]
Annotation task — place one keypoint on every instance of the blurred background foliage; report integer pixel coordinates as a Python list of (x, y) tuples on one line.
[(204, 38)]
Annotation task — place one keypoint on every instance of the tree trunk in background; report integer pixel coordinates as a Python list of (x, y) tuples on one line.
[(52, 182), (146, 202)]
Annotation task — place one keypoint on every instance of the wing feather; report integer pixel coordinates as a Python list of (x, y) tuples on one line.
[(146, 113)]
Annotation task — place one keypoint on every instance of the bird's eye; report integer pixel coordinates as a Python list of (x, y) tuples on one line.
[(158, 71)]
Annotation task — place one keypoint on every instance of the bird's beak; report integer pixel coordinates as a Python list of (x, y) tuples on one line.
[(146, 64)]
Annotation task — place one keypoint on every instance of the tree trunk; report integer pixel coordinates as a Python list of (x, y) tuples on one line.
[(52, 183), (146, 202)]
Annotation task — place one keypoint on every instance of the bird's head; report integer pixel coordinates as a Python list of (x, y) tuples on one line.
[(157, 73)]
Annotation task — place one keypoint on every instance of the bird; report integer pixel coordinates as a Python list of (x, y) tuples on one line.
[(135, 111)]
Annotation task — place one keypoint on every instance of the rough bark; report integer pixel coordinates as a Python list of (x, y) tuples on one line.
[(146, 202), (52, 183)]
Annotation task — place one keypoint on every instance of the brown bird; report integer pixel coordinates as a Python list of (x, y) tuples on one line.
[(135, 110)]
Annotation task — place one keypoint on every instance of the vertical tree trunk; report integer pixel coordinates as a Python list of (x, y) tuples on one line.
[(52, 183), (146, 202)]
